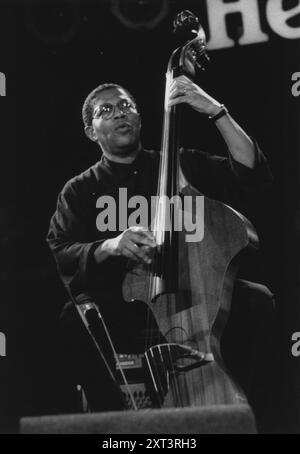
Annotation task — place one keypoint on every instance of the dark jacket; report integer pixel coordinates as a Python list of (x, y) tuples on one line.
[(73, 234)]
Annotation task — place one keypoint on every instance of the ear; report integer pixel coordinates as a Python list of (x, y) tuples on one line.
[(90, 133)]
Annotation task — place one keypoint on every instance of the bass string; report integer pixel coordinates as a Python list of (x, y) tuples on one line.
[(169, 167)]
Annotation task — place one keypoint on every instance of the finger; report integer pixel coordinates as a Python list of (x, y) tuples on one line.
[(133, 250), (182, 90), (143, 240), (177, 91), (142, 235), (177, 96), (148, 251), (135, 232), (179, 100), (137, 228), (182, 80), (179, 88), (140, 230), (138, 252), (127, 253)]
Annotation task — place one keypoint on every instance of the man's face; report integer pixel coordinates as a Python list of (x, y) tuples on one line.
[(120, 133)]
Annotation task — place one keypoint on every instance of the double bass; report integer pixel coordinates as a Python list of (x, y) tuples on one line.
[(188, 286)]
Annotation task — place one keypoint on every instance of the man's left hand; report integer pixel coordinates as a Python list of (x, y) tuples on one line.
[(183, 90)]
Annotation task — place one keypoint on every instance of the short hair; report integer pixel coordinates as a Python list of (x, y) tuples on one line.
[(87, 108)]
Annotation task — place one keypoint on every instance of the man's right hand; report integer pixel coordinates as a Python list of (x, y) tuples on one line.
[(135, 243)]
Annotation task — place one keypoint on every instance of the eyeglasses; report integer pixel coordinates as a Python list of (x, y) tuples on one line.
[(107, 110)]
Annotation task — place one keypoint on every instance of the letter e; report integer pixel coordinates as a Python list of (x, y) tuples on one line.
[(217, 11), (278, 19)]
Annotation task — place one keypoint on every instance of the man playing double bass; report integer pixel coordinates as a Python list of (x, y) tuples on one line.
[(92, 263)]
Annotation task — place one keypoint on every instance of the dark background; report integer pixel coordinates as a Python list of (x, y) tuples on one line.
[(53, 53)]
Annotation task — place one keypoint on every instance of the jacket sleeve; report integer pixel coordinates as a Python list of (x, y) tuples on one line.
[(69, 239), (260, 174)]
